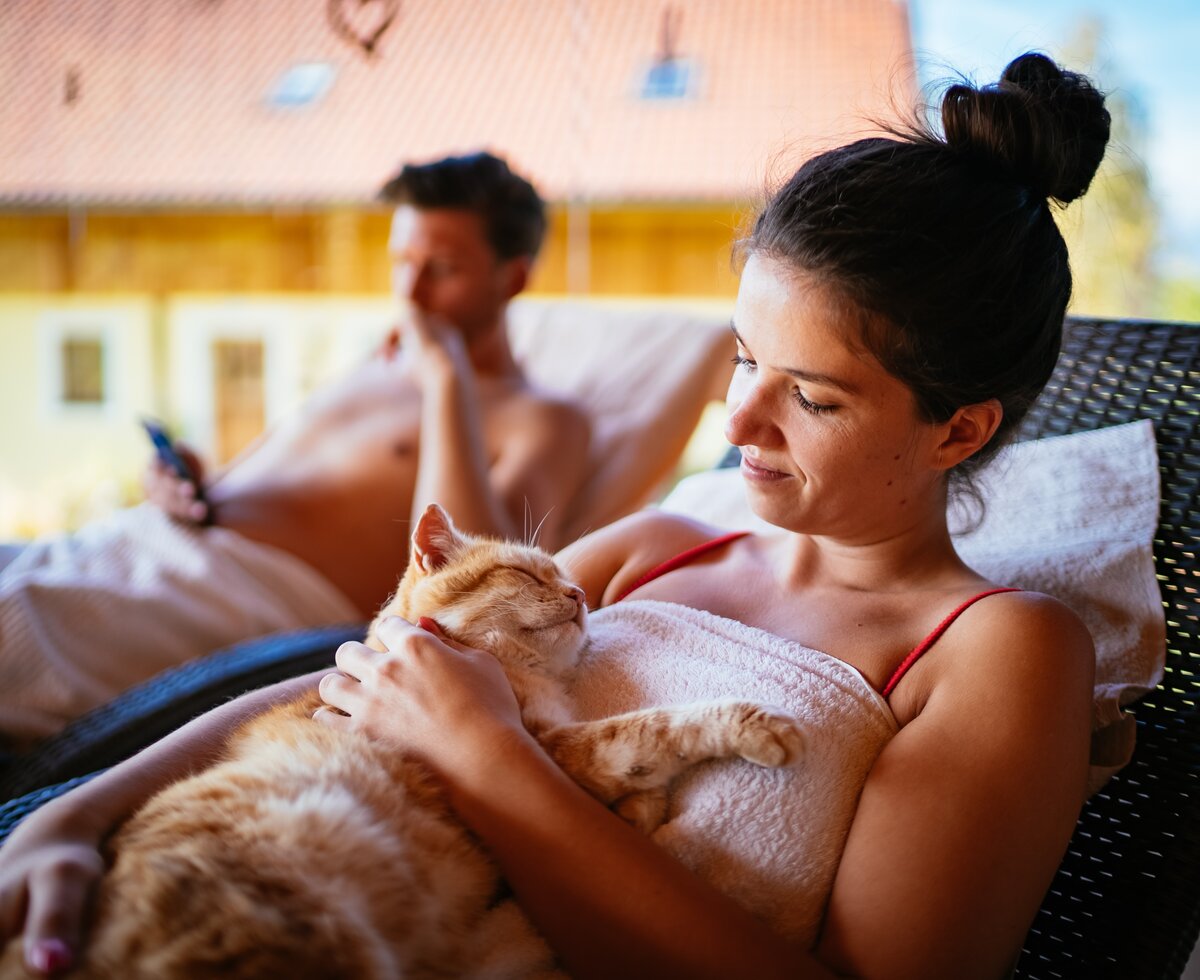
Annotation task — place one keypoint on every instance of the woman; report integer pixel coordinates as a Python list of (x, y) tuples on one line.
[(900, 308)]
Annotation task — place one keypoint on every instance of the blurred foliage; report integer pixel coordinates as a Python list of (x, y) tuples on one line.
[(1113, 231), (1180, 300)]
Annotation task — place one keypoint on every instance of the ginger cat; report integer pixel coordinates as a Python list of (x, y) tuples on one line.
[(315, 853)]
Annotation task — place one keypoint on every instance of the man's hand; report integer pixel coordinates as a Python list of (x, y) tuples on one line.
[(171, 493), (436, 347)]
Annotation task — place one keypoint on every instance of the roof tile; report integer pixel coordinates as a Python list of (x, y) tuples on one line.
[(170, 100)]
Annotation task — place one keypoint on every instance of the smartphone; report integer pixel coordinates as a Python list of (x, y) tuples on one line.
[(164, 445)]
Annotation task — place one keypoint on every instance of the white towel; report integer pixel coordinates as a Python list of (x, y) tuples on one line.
[(770, 838), (85, 616), (1073, 516)]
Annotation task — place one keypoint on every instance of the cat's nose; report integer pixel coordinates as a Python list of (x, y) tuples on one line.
[(576, 593)]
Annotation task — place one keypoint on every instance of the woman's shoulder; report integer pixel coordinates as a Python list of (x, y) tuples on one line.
[(1030, 619), (665, 526), (607, 561), (1021, 643)]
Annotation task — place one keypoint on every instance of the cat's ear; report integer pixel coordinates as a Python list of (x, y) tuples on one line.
[(435, 540)]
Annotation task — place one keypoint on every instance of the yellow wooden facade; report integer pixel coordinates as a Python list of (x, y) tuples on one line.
[(657, 250), (172, 296)]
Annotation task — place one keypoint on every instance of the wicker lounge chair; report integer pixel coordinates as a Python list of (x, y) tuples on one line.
[(1126, 900)]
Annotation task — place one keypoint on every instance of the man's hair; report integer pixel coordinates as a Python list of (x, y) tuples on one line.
[(513, 214)]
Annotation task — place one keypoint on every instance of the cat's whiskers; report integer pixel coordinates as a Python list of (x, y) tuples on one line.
[(538, 530)]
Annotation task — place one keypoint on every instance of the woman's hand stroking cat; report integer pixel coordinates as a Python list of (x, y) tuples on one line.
[(422, 688)]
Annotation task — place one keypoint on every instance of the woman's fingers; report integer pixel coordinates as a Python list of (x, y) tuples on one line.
[(400, 636), (331, 717), (360, 667), (355, 659), (58, 897), (339, 691), (430, 626)]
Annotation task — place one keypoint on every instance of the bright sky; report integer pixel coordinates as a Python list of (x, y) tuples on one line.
[(1150, 48)]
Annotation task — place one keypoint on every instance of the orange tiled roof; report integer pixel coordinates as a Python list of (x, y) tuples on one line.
[(124, 101)]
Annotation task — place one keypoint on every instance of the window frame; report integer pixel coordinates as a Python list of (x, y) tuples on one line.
[(55, 329)]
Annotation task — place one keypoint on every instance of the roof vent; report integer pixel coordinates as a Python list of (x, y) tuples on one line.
[(669, 76), (672, 79), (302, 85)]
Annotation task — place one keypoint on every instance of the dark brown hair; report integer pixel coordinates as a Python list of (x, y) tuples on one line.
[(946, 243), (514, 216)]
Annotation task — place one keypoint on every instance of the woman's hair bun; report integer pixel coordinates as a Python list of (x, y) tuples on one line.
[(1045, 126)]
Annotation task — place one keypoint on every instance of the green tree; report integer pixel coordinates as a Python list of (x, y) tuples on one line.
[(1113, 231)]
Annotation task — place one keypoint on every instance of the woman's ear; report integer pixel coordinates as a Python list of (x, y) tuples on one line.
[(969, 430)]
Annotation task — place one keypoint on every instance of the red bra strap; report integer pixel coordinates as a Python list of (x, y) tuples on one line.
[(682, 559), (920, 649)]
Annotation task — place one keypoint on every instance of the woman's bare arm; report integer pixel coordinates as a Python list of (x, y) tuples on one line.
[(51, 861), (968, 810)]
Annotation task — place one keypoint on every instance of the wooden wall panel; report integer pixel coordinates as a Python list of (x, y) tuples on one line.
[(633, 251)]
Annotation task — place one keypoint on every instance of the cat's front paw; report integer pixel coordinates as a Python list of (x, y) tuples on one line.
[(645, 810), (769, 737)]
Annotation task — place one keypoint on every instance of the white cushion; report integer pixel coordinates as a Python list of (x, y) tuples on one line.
[(643, 371)]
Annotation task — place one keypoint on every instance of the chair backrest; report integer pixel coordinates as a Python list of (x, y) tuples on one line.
[(1126, 899)]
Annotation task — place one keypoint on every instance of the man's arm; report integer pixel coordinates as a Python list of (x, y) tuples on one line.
[(453, 467), (538, 467)]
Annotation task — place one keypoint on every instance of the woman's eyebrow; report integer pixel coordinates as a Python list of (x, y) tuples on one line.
[(814, 377)]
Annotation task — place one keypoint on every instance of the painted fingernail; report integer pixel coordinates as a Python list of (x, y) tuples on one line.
[(429, 625), (50, 956)]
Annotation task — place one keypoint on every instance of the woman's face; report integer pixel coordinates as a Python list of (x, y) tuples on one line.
[(831, 443)]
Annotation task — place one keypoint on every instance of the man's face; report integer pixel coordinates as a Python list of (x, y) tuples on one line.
[(443, 265)]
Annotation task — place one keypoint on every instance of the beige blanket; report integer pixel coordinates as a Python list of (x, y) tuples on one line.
[(85, 616)]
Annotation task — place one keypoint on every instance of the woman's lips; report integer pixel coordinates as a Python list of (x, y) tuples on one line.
[(755, 471)]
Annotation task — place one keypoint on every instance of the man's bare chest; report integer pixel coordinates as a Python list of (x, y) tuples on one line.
[(381, 416)]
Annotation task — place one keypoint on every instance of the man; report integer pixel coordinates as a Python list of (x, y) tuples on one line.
[(310, 524)]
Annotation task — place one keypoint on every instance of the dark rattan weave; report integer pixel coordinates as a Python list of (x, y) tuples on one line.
[(146, 713), (1126, 900)]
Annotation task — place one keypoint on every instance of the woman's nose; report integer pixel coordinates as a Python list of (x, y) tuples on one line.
[(746, 417), (753, 409)]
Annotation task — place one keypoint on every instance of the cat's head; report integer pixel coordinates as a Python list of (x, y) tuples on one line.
[(509, 599)]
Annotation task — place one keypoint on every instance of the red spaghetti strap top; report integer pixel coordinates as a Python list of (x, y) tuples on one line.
[(682, 559), (920, 649)]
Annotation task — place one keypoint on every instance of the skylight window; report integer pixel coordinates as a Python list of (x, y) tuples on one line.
[(302, 85), (669, 78)]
